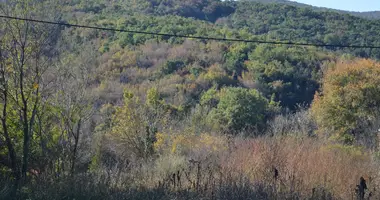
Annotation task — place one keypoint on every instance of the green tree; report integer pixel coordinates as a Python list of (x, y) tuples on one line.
[(172, 66), (290, 73), (239, 109), (236, 56)]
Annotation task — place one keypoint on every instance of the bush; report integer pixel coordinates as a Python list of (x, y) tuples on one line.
[(172, 66), (239, 109), (299, 124)]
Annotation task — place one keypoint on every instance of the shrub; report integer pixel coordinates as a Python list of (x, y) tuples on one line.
[(172, 66), (239, 109)]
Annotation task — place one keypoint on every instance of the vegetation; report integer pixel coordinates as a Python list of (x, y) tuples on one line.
[(368, 15), (238, 109), (91, 114), (349, 104)]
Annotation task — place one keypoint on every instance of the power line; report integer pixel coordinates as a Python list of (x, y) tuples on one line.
[(189, 36)]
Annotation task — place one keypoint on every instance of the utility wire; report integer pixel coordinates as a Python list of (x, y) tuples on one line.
[(189, 36)]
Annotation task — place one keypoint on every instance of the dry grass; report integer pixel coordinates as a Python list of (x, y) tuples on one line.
[(304, 164), (308, 168)]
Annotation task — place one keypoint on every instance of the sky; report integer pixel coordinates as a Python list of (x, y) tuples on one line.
[(350, 5)]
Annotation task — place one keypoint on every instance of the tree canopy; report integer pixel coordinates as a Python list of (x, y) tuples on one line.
[(350, 98)]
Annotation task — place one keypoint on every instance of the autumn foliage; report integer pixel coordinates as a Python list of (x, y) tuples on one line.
[(350, 98), (91, 113)]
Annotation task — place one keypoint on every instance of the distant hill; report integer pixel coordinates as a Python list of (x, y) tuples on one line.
[(279, 20), (368, 15), (271, 19), (290, 73)]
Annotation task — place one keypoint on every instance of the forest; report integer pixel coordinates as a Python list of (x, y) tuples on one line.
[(368, 14), (103, 113)]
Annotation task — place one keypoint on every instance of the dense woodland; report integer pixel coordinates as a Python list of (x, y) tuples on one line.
[(97, 114), (368, 14)]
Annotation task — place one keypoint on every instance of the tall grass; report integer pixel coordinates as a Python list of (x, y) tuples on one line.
[(263, 168)]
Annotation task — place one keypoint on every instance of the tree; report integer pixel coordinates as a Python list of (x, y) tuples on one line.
[(238, 109), (290, 73), (235, 57), (13, 164), (27, 51), (172, 66), (73, 98), (350, 98), (130, 132)]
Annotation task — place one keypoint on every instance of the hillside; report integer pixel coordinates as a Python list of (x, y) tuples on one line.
[(283, 22), (275, 21), (113, 113), (368, 15)]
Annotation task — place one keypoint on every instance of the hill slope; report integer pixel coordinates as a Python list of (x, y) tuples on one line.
[(285, 22), (246, 19), (130, 115), (368, 15)]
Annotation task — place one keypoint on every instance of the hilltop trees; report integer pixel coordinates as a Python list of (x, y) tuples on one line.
[(286, 22)]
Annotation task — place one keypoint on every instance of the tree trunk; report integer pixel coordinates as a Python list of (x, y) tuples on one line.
[(25, 157), (76, 142), (11, 150)]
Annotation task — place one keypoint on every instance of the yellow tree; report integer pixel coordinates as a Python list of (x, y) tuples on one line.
[(350, 98)]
